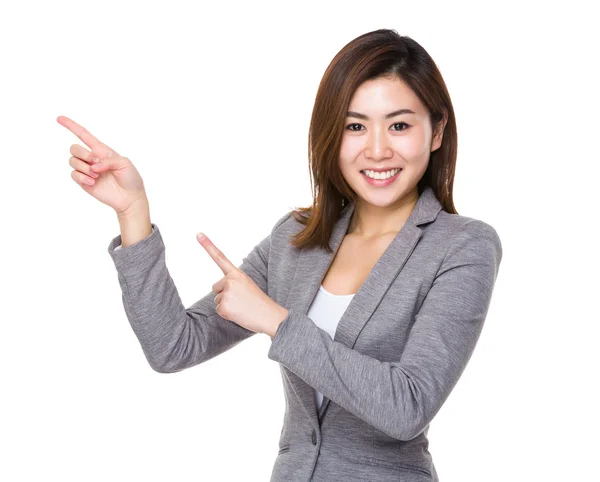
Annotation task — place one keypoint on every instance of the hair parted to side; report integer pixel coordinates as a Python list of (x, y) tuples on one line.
[(380, 53)]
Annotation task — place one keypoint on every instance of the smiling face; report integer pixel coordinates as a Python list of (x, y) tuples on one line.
[(387, 127)]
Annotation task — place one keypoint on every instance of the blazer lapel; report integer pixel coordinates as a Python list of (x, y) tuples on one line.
[(313, 264)]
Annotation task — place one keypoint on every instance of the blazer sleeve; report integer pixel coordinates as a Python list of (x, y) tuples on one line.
[(173, 337), (400, 398)]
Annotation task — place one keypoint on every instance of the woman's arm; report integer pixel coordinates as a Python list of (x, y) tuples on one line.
[(400, 398), (172, 337)]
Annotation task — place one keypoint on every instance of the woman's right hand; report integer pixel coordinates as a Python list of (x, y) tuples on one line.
[(102, 172)]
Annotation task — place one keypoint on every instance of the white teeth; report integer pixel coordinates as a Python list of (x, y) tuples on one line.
[(381, 175)]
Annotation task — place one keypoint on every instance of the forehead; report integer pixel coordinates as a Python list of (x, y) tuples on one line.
[(380, 96)]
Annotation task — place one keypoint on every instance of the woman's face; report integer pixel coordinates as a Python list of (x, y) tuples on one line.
[(371, 140)]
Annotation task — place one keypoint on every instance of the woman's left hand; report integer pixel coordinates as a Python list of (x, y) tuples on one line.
[(239, 299)]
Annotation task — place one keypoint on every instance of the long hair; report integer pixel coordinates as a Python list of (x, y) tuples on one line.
[(381, 53)]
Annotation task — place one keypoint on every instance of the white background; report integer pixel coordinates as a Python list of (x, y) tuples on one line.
[(212, 104)]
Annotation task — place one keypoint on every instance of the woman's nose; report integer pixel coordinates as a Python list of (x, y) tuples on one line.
[(378, 145)]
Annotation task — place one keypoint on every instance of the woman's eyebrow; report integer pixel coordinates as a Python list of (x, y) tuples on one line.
[(389, 116)]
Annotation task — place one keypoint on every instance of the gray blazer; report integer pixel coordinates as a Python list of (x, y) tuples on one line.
[(399, 349)]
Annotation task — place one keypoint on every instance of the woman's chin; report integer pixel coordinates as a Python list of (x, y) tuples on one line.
[(380, 200)]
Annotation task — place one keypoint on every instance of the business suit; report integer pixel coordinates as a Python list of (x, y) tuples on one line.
[(399, 349)]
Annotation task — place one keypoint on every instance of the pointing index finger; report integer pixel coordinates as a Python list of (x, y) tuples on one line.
[(94, 144), (216, 254)]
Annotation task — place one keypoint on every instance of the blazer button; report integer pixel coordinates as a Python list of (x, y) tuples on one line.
[(314, 437)]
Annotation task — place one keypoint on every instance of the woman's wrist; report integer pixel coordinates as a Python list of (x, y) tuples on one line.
[(135, 223)]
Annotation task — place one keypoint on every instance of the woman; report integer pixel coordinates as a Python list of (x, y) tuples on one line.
[(374, 297)]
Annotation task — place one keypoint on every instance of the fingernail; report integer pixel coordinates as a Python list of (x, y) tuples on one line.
[(201, 236), (94, 174), (98, 165)]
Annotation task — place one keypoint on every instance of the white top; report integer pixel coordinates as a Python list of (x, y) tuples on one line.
[(326, 311)]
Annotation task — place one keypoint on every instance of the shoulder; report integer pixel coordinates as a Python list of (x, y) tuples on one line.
[(282, 223), (287, 225), (464, 225), (465, 236)]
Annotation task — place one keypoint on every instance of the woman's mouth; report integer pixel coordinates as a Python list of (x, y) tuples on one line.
[(381, 182)]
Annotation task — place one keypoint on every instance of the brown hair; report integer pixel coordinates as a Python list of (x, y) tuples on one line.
[(381, 53)]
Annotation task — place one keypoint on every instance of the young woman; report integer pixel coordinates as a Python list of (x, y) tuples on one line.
[(374, 297)]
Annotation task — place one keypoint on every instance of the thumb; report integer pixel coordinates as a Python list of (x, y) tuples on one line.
[(109, 163)]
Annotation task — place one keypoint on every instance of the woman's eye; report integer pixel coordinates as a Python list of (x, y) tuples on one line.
[(350, 127), (402, 123)]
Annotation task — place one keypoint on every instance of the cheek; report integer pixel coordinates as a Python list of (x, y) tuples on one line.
[(351, 146), (355, 142), (412, 148)]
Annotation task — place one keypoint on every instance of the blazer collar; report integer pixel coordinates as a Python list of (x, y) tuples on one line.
[(313, 264)]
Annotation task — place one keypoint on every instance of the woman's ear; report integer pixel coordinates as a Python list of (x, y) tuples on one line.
[(438, 134)]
